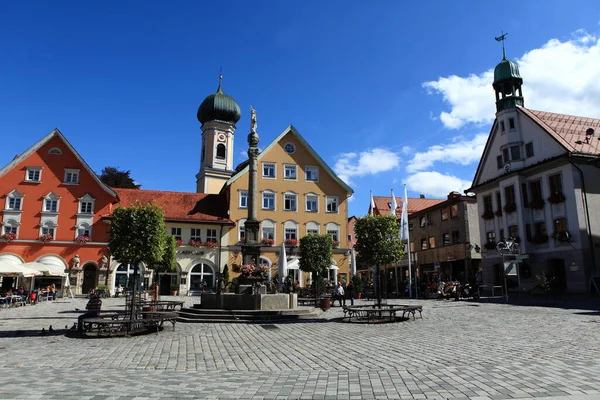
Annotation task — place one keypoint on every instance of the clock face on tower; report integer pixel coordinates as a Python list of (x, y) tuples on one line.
[(221, 137)]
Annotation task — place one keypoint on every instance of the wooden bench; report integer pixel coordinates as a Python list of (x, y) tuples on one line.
[(371, 313), (307, 301)]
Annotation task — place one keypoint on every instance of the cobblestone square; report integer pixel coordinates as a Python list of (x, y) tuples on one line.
[(458, 350)]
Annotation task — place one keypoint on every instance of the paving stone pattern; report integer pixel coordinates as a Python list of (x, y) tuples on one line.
[(458, 350)]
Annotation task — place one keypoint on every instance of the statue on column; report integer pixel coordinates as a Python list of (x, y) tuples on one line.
[(253, 124), (76, 261)]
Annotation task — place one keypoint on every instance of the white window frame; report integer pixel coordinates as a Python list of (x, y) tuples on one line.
[(196, 234), (16, 197), (82, 229), (86, 207), (50, 197), (308, 197), (293, 197), (243, 196), (33, 170), (11, 229), (272, 166), (71, 176), (333, 230), (270, 193), (211, 235), (87, 199), (268, 224), (176, 232), (314, 170), (337, 204), (290, 227), (313, 227), (290, 167), (241, 229), (48, 227)]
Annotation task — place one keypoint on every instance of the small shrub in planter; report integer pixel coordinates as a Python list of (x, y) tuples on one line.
[(45, 238), (211, 245), (556, 198), (195, 243), (82, 239), (179, 242), (174, 290), (487, 215)]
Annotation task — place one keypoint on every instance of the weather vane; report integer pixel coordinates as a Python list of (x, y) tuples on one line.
[(501, 38)]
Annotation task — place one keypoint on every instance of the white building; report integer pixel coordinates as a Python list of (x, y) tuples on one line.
[(538, 180)]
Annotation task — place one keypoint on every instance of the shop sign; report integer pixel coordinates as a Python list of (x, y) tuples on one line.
[(190, 252)]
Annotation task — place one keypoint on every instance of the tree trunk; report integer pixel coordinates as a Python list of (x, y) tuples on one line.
[(377, 285), (133, 292)]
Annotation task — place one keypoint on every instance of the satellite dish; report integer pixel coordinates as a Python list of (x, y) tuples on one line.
[(507, 168)]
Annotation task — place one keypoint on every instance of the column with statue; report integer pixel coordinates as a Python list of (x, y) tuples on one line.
[(251, 269)]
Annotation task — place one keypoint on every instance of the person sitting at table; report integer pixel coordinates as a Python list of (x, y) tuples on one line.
[(52, 292), (20, 291), (93, 309), (118, 290)]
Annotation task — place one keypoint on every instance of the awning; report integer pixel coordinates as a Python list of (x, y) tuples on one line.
[(8, 268), (46, 269), (294, 263)]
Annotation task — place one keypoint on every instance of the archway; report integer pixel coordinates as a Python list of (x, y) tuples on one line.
[(168, 279), (90, 277), (202, 272)]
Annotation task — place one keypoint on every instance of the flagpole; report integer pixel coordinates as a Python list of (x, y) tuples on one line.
[(408, 247)]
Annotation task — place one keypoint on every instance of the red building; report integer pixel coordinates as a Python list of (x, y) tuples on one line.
[(52, 204)]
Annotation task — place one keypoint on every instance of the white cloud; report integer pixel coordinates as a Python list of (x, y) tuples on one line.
[(561, 76), (435, 184), (461, 151), (370, 162)]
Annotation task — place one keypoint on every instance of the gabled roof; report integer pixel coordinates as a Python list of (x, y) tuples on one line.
[(180, 206), (56, 133), (322, 163), (565, 129), (415, 204)]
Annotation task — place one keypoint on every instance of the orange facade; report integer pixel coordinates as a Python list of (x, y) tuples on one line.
[(66, 181)]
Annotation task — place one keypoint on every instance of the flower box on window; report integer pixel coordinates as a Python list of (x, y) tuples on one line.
[(195, 243), (291, 242), (82, 239), (9, 237), (510, 208), (45, 238), (267, 242), (179, 242), (490, 245), (211, 245), (556, 198), (537, 204), (487, 215), (498, 212), (561, 236)]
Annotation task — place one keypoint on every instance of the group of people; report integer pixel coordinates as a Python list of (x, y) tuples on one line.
[(343, 291), (33, 296)]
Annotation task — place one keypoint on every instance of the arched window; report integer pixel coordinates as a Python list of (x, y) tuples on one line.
[(202, 277), (312, 228), (221, 151), (242, 230), (267, 228), (334, 231)]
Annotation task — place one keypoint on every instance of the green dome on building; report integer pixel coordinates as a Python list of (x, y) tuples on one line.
[(507, 70), (219, 107)]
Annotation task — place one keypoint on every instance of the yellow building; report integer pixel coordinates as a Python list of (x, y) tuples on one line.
[(298, 193)]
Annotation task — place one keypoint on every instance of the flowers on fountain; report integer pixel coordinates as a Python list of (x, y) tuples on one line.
[(9, 237), (82, 239), (252, 271)]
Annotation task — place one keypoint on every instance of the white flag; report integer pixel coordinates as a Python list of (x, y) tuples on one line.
[(394, 205), (404, 217), (372, 206)]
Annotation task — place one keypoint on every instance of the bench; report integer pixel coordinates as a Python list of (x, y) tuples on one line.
[(120, 324), (307, 301), (371, 313), (156, 319)]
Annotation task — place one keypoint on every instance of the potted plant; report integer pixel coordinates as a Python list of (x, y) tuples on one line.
[(291, 242), (359, 285), (267, 242), (179, 242), (510, 208), (488, 214), (556, 198), (195, 243), (211, 244), (46, 237), (82, 239), (174, 289), (9, 237)]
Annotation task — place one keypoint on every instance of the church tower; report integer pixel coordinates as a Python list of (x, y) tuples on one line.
[(218, 115), (507, 84)]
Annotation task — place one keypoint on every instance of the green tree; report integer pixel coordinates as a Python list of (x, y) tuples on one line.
[(137, 235), (377, 243), (116, 178), (226, 275), (168, 262), (315, 256)]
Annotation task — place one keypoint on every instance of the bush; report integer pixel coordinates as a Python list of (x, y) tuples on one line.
[(319, 283), (358, 283)]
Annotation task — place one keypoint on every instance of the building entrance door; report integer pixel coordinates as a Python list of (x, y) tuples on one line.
[(165, 282), (90, 278)]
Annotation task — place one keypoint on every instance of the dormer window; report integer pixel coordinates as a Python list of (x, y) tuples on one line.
[(86, 204), (33, 174), (71, 176)]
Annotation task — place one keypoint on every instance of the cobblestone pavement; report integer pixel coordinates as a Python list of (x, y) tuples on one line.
[(458, 350)]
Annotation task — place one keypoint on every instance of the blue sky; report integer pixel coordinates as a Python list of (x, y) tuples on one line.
[(387, 92)]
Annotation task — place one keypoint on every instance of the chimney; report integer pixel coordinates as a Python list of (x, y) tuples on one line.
[(421, 196)]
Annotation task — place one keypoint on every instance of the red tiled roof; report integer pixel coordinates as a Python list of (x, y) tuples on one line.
[(415, 204), (567, 129), (180, 206)]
